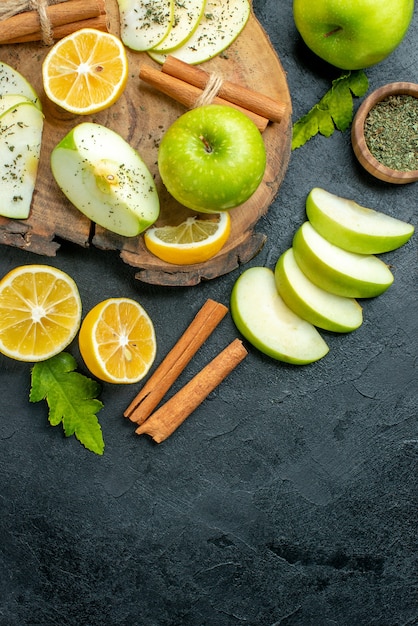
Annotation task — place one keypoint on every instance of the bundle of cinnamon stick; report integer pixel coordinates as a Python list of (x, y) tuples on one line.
[(187, 83), (57, 20), (161, 423)]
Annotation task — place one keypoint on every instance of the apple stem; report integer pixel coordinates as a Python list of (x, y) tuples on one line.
[(332, 32), (208, 147)]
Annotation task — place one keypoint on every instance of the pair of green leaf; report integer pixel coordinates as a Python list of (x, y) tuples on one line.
[(334, 110), (71, 398)]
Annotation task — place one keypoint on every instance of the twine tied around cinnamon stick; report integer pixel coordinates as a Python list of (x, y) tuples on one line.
[(8, 8), (192, 86), (211, 90), (46, 27), (49, 20)]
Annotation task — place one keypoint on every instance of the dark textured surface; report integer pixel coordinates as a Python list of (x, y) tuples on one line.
[(288, 498)]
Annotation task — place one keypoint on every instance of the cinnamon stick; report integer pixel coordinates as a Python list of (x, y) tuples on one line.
[(99, 23), (188, 94), (26, 26), (232, 92), (172, 414), (203, 324)]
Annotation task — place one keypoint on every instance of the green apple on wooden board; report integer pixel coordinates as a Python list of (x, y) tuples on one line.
[(319, 307), (268, 324), (354, 227), (106, 179), (336, 270), (351, 34), (212, 158)]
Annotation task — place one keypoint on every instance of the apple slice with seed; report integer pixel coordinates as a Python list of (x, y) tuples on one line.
[(353, 227), (220, 25), (313, 304), (21, 128), (268, 324), (145, 23), (106, 179), (336, 270)]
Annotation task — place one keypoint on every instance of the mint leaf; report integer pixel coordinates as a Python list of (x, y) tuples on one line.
[(71, 398), (334, 110), (359, 83)]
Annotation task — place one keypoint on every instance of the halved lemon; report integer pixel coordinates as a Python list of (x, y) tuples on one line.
[(117, 341), (195, 240), (86, 71), (40, 312)]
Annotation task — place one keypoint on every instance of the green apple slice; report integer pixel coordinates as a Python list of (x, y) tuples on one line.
[(313, 304), (106, 179), (20, 147), (353, 227), (220, 25), (336, 270), (187, 15), (145, 23), (268, 324), (12, 82), (9, 101)]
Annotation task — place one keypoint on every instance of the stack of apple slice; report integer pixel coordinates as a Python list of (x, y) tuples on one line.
[(316, 282), (21, 125), (191, 30)]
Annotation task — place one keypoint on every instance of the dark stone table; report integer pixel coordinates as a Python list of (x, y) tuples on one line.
[(288, 498)]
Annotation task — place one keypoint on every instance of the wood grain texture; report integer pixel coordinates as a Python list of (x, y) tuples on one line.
[(141, 116)]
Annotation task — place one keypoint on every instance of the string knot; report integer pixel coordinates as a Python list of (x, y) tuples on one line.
[(210, 91), (46, 28)]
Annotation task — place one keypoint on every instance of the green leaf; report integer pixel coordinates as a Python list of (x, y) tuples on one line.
[(303, 130), (325, 123), (334, 110), (71, 398), (359, 83)]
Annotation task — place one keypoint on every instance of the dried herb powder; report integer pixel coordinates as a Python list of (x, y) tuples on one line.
[(391, 132)]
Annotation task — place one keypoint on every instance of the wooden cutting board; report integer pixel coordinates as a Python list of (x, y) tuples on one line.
[(141, 116)]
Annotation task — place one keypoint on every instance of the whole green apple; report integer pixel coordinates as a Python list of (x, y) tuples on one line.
[(353, 34), (212, 158)]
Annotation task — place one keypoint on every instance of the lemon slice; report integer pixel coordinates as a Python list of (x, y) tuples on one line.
[(40, 312), (195, 240), (117, 341), (86, 71)]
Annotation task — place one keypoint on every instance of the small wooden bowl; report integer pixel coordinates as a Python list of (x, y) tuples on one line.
[(363, 154)]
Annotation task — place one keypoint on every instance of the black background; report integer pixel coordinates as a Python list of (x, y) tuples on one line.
[(288, 498)]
